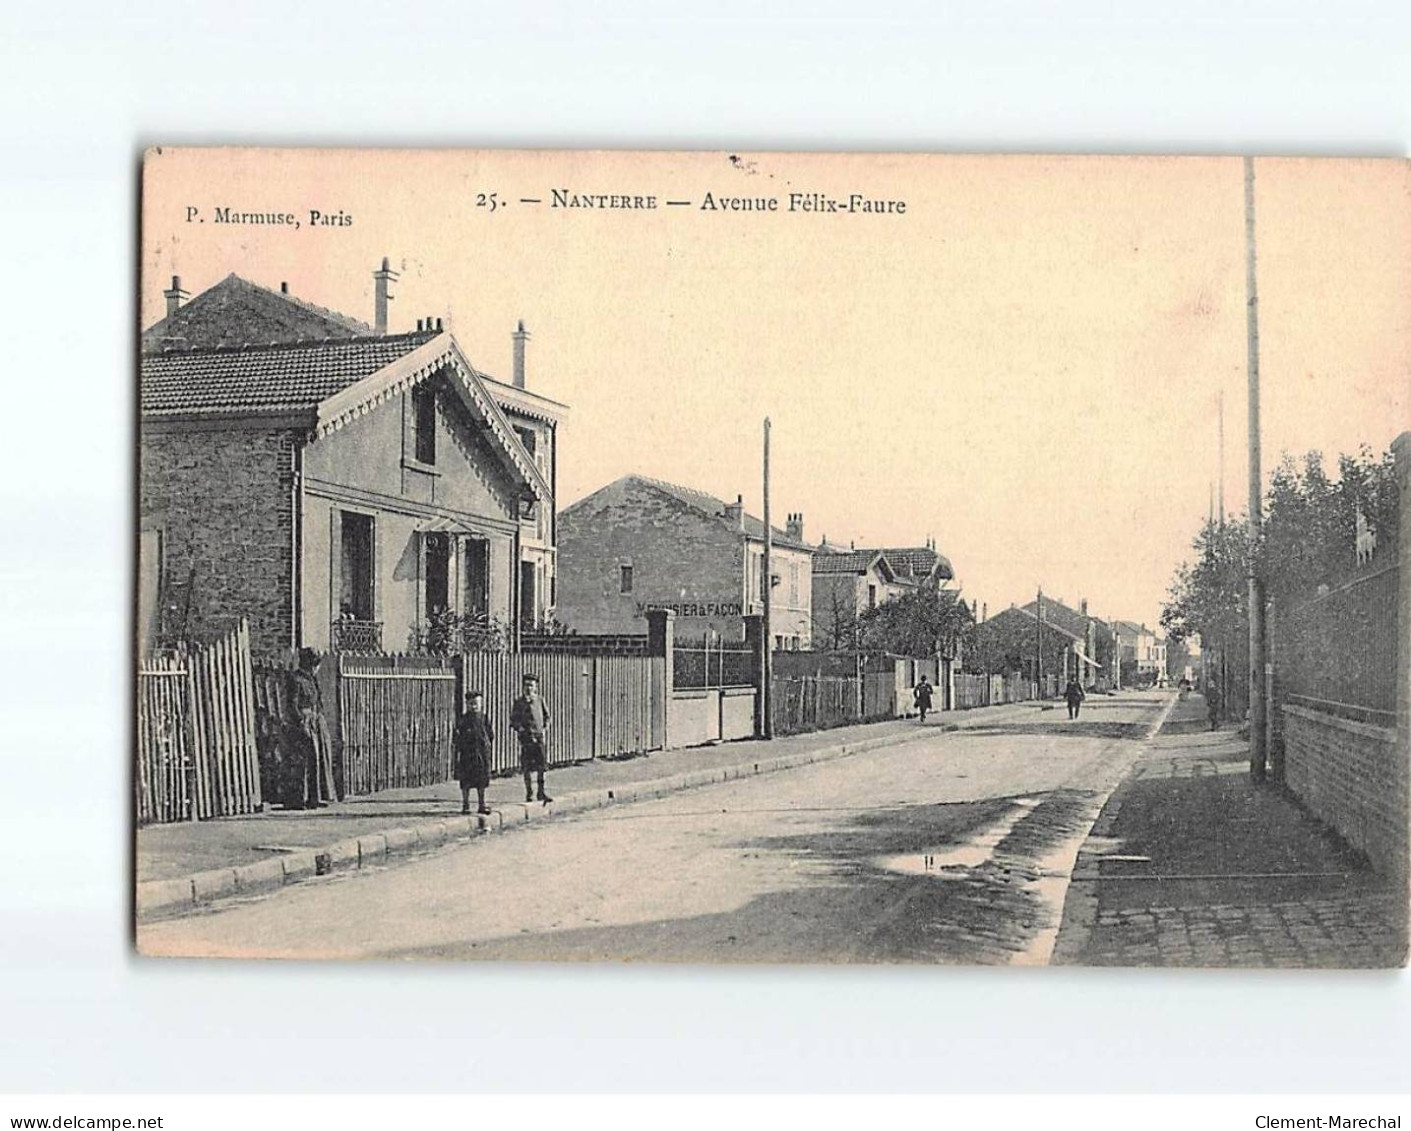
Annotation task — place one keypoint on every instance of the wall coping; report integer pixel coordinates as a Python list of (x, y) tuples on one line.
[(1337, 722)]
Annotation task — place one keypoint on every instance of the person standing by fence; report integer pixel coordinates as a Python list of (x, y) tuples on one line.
[(473, 741), (921, 695), (310, 737), (529, 719)]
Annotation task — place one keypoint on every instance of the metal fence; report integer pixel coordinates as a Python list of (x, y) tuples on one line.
[(1338, 652), (195, 755), (707, 663)]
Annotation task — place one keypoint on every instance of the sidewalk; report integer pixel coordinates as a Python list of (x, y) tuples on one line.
[(183, 865), (1191, 864)]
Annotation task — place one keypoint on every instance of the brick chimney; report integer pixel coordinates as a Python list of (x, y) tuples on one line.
[(381, 296), (794, 527), (176, 296), (735, 512), (521, 335)]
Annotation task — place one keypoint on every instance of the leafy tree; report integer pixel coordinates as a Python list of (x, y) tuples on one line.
[(923, 622), (1309, 541)]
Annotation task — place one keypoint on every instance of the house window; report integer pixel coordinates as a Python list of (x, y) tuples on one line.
[(626, 579), (356, 573), (529, 438), (438, 573), (872, 596), (528, 595), (475, 555), (424, 423)]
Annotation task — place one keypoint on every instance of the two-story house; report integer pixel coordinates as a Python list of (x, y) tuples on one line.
[(640, 544), (337, 484)]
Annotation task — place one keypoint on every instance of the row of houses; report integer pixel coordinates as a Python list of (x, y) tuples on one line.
[(345, 487), (642, 543), (1072, 643)]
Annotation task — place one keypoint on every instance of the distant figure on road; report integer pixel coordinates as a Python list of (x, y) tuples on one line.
[(473, 741), (1212, 703), (529, 718), (921, 696), (1074, 694)]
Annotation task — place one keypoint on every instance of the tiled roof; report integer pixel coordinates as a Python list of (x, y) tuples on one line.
[(1027, 615), (715, 508), (257, 379), (1056, 612), (917, 561), (237, 312), (849, 561)]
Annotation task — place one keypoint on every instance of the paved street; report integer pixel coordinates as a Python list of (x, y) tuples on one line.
[(952, 849)]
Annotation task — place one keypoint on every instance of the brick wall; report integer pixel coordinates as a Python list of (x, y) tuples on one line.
[(1351, 776), (677, 555), (222, 502)]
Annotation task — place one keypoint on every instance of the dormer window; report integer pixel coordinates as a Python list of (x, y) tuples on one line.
[(424, 424)]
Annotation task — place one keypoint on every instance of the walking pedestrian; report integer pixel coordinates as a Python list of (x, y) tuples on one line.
[(1074, 694), (473, 741), (1212, 703), (921, 696), (529, 719)]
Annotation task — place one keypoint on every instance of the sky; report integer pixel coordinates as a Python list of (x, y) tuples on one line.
[(1024, 365)]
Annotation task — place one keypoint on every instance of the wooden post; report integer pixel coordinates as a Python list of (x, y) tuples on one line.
[(768, 690)]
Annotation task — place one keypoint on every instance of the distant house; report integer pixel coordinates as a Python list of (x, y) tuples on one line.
[(1071, 642), (845, 585), (335, 484), (1142, 646), (1093, 638), (919, 565), (641, 543)]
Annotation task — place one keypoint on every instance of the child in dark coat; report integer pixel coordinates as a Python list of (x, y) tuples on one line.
[(472, 742)]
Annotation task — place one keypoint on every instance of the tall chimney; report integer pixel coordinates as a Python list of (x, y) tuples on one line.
[(521, 335), (176, 296), (381, 279), (794, 527)]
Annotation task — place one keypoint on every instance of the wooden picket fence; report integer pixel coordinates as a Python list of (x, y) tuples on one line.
[(599, 705), (196, 733), (396, 715)]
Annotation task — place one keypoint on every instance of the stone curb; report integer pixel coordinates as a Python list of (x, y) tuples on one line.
[(174, 897)]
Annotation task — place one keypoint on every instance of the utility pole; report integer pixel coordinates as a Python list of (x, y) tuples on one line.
[(768, 689), (1222, 459), (1039, 646), (1258, 720)]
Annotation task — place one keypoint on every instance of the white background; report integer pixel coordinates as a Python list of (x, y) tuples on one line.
[(87, 85)]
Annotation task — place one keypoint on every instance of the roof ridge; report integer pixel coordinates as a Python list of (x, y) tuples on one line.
[(303, 343), (313, 307)]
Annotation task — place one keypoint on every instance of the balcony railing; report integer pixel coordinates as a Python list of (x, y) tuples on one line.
[(357, 636)]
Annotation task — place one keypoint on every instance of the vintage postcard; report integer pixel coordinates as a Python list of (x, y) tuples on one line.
[(772, 558)]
